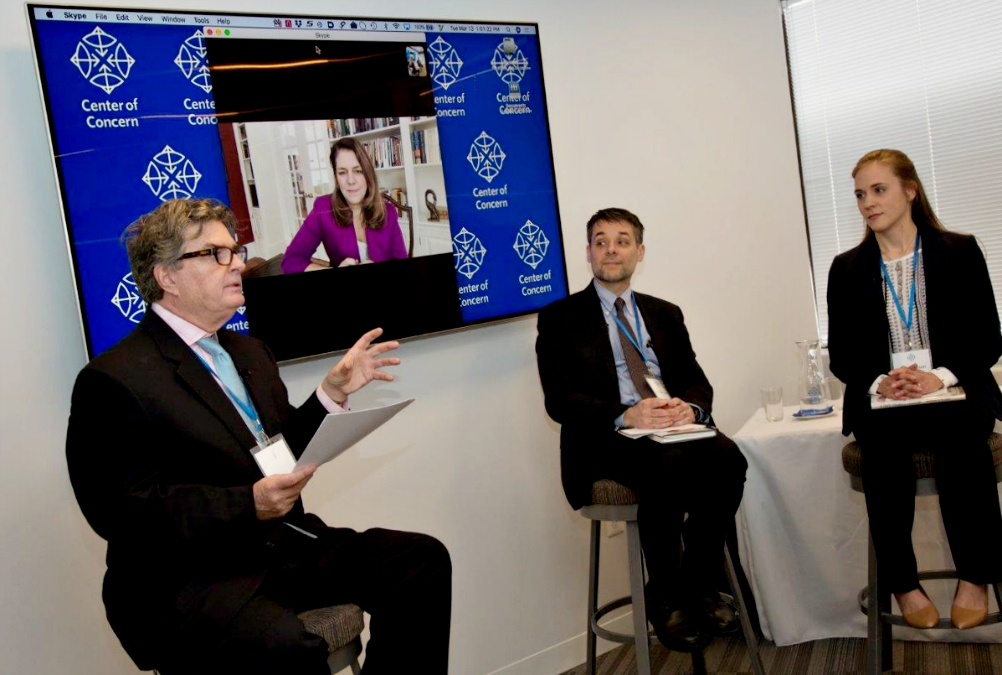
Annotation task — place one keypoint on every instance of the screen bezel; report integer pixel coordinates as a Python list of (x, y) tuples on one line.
[(62, 190)]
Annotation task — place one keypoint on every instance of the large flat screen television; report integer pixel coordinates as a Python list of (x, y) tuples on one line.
[(149, 105)]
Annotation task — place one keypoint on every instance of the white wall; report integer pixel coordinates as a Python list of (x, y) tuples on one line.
[(677, 110)]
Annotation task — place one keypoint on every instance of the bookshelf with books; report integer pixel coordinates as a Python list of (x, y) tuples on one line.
[(360, 125), (429, 236)]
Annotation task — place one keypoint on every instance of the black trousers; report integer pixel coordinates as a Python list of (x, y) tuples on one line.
[(403, 580), (704, 479), (957, 433)]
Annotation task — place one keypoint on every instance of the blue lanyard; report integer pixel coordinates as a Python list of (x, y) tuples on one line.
[(250, 416), (907, 321), (629, 334)]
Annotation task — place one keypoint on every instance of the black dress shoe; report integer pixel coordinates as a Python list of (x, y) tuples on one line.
[(717, 615), (677, 629)]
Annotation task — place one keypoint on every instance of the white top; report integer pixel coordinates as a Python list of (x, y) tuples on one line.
[(900, 272)]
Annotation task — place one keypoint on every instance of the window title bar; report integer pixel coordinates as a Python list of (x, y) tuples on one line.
[(346, 24)]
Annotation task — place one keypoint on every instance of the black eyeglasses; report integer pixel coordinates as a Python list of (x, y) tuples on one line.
[(223, 256)]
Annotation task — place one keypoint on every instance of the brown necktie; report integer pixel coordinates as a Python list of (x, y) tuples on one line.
[(634, 364)]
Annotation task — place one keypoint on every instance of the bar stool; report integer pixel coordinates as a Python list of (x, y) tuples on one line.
[(878, 623), (340, 626), (614, 502)]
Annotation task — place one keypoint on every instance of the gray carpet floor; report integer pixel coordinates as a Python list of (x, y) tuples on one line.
[(844, 656)]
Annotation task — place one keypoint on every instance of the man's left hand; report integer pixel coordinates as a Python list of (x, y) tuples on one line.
[(359, 366), (682, 412)]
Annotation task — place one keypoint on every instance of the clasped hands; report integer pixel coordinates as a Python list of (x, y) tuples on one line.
[(908, 382), (658, 413), (275, 495)]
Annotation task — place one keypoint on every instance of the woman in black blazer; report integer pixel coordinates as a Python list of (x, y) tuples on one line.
[(910, 311)]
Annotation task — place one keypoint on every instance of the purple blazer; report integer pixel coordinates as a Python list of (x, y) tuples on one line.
[(386, 243)]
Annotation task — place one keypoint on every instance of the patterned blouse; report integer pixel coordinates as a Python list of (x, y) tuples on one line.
[(900, 273)]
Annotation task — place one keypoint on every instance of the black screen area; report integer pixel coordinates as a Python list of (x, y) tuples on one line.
[(301, 315), (262, 80)]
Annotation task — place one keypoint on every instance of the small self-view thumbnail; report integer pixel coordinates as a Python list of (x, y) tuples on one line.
[(416, 66)]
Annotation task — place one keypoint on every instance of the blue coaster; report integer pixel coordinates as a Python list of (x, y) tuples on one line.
[(805, 414)]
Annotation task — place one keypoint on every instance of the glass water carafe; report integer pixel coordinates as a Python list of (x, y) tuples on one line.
[(812, 378)]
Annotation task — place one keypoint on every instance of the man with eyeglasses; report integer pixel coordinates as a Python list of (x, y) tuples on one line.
[(209, 559), (612, 359)]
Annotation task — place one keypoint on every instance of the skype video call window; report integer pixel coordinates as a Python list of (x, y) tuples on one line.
[(148, 105)]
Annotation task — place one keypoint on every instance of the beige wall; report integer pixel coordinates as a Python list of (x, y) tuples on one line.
[(677, 110)]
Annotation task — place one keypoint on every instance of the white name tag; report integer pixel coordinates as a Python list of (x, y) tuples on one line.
[(919, 357), (275, 457), (657, 386)]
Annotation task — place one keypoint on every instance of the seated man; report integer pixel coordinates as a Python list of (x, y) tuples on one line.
[(208, 561), (603, 353)]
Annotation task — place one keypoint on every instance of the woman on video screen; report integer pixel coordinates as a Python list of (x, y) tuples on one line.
[(355, 224)]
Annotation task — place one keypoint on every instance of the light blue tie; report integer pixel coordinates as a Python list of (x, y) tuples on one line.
[(223, 367), (227, 373)]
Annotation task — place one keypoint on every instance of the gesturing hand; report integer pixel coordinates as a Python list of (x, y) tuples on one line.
[(359, 366), (275, 495)]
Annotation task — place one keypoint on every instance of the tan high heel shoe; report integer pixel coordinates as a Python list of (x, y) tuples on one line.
[(927, 617), (965, 617)]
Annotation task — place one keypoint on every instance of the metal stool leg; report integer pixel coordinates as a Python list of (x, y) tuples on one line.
[(998, 595), (886, 642), (877, 632), (751, 640), (596, 536), (698, 663), (637, 592)]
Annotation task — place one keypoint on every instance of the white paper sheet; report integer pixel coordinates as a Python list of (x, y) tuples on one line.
[(679, 434), (669, 431), (340, 431)]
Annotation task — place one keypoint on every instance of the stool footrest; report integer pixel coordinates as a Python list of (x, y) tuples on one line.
[(613, 636), (898, 620)]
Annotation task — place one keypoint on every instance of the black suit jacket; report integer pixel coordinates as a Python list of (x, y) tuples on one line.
[(580, 385), (962, 318), (159, 460)]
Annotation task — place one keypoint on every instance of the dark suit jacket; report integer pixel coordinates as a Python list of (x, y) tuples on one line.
[(580, 385), (962, 318), (158, 458)]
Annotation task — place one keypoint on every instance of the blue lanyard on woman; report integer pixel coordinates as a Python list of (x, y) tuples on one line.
[(905, 320), (250, 416), (629, 334)]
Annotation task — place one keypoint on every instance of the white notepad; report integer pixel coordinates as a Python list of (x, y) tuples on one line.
[(340, 431), (939, 396), (679, 434)]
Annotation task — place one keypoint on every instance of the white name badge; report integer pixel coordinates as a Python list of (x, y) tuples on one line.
[(275, 457), (919, 357), (657, 386)]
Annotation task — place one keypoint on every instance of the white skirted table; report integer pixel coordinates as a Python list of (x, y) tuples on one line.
[(802, 535)]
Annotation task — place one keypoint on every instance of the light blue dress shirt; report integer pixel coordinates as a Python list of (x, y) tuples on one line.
[(628, 394)]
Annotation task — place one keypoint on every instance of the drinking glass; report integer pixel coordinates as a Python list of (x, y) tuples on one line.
[(772, 403), (833, 392)]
